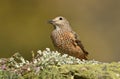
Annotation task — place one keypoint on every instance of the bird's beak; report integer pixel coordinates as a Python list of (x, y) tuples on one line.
[(51, 21)]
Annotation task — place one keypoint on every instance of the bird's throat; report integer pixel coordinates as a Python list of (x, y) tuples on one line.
[(57, 28)]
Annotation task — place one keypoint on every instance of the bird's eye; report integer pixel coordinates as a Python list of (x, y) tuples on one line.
[(60, 18)]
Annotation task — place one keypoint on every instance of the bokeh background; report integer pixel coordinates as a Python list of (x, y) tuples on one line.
[(24, 27)]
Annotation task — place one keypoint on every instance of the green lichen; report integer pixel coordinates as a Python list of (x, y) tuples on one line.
[(52, 65)]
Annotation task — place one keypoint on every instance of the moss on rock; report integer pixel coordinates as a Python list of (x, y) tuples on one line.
[(52, 65)]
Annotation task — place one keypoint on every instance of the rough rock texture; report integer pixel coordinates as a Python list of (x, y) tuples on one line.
[(52, 65)]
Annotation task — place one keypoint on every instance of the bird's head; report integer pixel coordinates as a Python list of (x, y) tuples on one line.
[(60, 22)]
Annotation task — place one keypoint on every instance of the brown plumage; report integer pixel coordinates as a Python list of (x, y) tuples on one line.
[(65, 40)]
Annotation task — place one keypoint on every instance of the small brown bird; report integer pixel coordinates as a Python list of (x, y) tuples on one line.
[(65, 40)]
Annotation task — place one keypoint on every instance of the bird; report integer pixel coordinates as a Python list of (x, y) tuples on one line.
[(65, 40)]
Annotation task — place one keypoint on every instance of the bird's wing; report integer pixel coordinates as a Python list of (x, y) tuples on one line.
[(78, 42)]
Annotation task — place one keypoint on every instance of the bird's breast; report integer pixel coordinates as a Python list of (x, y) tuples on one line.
[(62, 38)]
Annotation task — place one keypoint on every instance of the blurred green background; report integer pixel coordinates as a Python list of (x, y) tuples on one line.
[(24, 27)]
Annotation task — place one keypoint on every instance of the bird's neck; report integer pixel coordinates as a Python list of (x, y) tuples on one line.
[(57, 28), (63, 28)]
